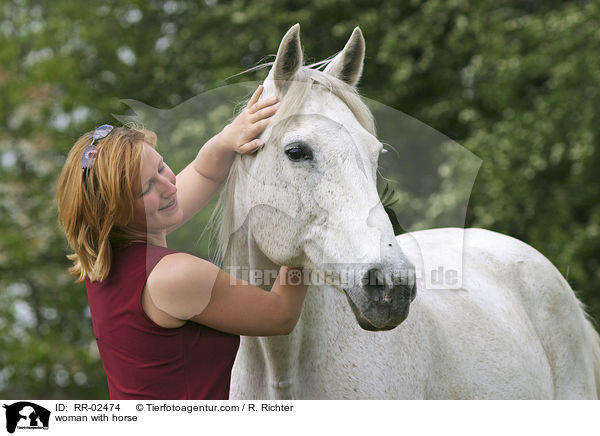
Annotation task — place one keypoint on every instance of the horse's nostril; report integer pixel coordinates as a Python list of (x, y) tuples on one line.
[(373, 277), (380, 288), (374, 285)]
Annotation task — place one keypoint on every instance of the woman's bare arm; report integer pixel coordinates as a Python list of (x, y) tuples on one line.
[(189, 288)]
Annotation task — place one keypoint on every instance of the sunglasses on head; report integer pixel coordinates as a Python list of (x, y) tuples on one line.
[(90, 152)]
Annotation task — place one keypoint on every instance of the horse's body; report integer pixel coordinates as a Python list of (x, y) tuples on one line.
[(513, 330)]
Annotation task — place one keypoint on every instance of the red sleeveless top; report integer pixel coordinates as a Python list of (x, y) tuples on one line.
[(143, 360)]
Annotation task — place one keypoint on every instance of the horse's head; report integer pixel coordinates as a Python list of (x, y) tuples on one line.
[(317, 174)]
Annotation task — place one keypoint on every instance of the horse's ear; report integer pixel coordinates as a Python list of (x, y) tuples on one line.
[(348, 64), (289, 55)]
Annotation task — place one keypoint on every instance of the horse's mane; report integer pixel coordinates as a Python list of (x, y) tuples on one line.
[(293, 98)]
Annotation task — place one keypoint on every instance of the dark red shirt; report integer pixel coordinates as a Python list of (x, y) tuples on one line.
[(143, 360)]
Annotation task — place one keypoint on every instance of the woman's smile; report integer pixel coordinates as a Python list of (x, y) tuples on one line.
[(170, 206)]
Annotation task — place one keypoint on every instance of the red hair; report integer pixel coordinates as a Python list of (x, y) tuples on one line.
[(96, 213)]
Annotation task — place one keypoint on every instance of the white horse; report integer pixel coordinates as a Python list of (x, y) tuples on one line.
[(514, 330)]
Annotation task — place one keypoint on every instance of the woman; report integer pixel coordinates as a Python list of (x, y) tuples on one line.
[(166, 322)]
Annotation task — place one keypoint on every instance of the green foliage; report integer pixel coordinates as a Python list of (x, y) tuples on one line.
[(516, 83)]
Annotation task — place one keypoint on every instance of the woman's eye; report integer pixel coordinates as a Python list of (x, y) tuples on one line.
[(298, 151)]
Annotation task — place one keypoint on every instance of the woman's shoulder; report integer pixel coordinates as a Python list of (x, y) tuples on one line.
[(181, 284), (157, 294), (178, 268)]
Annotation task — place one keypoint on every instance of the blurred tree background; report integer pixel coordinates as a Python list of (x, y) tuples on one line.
[(515, 82)]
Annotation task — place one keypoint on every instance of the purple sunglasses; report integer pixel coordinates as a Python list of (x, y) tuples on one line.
[(90, 152)]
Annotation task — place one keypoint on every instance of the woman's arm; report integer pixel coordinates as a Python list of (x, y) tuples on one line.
[(183, 287), (201, 179)]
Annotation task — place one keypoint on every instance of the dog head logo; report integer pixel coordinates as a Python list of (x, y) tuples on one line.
[(26, 415)]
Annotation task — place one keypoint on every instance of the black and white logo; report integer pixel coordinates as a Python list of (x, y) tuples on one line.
[(26, 415)]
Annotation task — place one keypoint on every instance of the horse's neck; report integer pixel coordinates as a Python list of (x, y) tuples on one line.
[(276, 366)]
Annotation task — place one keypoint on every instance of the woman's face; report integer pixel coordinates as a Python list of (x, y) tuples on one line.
[(157, 208)]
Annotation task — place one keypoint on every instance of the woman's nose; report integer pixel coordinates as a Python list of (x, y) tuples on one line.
[(168, 187)]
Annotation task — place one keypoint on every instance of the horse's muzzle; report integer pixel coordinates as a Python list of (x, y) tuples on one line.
[(382, 301)]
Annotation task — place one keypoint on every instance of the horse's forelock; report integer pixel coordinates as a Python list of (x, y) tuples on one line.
[(306, 77)]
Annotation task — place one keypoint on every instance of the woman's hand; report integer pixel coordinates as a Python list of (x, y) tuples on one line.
[(240, 135)]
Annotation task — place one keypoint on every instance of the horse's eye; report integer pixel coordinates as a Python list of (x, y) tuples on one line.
[(298, 151), (295, 153)]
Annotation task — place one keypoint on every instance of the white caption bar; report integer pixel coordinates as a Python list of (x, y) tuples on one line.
[(24, 417)]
